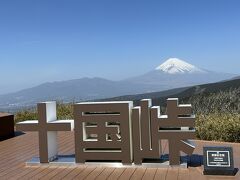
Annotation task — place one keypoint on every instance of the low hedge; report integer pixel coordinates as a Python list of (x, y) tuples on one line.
[(218, 127)]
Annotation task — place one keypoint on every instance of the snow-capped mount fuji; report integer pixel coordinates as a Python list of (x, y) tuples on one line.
[(178, 66), (175, 73)]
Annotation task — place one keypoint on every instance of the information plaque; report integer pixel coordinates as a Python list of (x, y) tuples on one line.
[(218, 161)]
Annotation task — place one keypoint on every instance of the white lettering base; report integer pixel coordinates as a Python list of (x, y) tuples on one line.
[(69, 160)]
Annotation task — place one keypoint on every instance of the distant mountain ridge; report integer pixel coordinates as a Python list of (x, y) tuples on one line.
[(173, 73), (72, 90)]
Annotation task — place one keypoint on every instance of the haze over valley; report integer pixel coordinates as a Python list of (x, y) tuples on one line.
[(172, 73)]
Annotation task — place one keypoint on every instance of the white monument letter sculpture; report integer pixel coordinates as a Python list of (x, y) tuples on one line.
[(150, 127), (117, 131), (47, 127), (103, 131), (177, 126)]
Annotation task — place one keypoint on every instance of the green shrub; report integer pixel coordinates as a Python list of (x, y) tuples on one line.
[(218, 127), (64, 111), (24, 115)]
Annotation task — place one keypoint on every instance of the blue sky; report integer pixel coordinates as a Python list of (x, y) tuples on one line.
[(47, 40)]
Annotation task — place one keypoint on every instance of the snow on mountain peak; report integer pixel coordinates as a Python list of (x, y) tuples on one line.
[(178, 66)]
